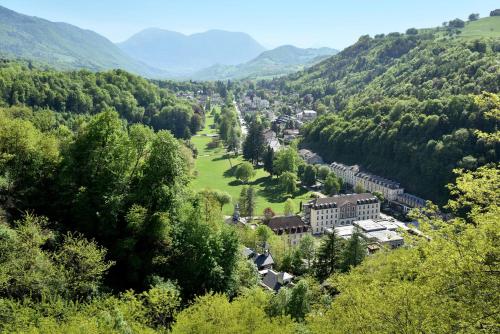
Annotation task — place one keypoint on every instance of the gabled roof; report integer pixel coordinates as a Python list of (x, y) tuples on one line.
[(262, 260), (287, 224), (247, 252), (275, 280)]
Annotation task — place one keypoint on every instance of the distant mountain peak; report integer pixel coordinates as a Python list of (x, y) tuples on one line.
[(279, 61), (184, 54)]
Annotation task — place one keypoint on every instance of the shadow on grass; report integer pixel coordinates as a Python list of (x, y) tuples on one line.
[(271, 190), (224, 157), (210, 147), (230, 172), (235, 183)]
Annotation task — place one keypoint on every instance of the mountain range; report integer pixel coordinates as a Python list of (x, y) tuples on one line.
[(154, 53), (184, 54), (61, 45), (279, 61)]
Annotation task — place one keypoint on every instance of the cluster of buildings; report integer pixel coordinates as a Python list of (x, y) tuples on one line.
[(376, 232), (342, 213), (391, 190), (345, 214), (253, 104), (270, 279), (352, 175), (201, 97), (307, 115)]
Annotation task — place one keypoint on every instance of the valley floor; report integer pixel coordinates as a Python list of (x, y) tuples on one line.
[(214, 167)]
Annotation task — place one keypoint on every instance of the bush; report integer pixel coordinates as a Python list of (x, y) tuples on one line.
[(456, 23), (412, 31)]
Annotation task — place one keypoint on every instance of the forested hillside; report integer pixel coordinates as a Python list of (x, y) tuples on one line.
[(61, 45), (408, 106), (84, 93)]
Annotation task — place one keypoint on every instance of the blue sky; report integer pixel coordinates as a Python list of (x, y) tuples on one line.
[(309, 23)]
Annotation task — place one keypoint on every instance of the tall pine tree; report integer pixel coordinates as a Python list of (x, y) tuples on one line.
[(354, 251), (253, 146), (329, 256)]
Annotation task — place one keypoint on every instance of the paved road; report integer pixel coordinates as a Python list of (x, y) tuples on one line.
[(243, 124)]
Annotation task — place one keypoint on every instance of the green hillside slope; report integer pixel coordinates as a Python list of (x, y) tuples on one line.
[(486, 27), (60, 45), (408, 107)]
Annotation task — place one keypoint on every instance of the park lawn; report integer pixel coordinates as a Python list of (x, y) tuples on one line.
[(209, 122), (213, 170)]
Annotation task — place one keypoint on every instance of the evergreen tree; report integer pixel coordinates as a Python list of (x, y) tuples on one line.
[(250, 201), (253, 146), (354, 251), (233, 141), (329, 256), (268, 160), (242, 202), (309, 176)]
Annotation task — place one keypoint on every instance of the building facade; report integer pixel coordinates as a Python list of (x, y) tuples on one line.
[(290, 228), (329, 212), (372, 183), (408, 201)]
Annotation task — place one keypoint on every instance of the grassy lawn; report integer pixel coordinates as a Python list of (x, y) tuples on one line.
[(485, 27), (214, 169)]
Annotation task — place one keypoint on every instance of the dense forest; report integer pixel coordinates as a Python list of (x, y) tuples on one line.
[(99, 233), (84, 93), (408, 106)]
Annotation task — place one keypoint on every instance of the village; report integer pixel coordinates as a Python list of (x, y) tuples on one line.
[(372, 206)]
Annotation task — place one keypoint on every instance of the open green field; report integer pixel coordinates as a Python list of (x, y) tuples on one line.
[(214, 167), (485, 27)]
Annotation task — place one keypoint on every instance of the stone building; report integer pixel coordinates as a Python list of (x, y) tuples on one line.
[(291, 228), (353, 176), (340, 210)]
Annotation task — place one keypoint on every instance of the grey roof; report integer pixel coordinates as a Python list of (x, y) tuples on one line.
[(272, 279), (262, 260), (247, 252), (339, 200), (384, 236), (367, 176)]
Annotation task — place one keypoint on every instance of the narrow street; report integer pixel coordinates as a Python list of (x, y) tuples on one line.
[(243, 125)]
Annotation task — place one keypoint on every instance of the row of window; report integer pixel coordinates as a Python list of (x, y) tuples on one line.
[(361, 206), (344, 216)]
